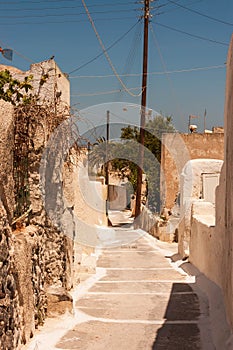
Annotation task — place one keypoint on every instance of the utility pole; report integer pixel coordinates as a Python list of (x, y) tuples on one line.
[(143, 109), (106, 161), (106, 154), (205, 120)]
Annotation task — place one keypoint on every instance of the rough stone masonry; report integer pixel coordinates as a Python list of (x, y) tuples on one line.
[(35, 258)]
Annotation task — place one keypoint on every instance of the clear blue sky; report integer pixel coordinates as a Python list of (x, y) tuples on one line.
[(38, 29)]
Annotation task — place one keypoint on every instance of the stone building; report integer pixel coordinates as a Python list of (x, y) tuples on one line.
[(211, 234), (34, 255), (48, 81), (177, 150), (36, 258), (45, 208)]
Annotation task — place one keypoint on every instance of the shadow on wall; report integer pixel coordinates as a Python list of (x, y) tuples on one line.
[(180, 330)]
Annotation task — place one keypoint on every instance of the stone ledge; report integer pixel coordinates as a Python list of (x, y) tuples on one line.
[(208, 220), (59, 301)]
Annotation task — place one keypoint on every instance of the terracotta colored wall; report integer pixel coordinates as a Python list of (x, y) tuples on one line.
[(177, 149)]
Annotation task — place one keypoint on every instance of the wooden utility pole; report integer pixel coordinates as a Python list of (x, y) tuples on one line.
[(106, 155), (106, 161), (143, 109), (205, 120)]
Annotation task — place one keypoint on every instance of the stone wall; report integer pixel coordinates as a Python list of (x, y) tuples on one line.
[(6, 159), (48, 82), (29, 265), (149, 222), (36, 258), (161, 227), (211, 243), (191, 190), (85, 202), (40, 254), (224, 208), (117, 197), (10, 315), (177, 149), (31, 262), (205, 246)]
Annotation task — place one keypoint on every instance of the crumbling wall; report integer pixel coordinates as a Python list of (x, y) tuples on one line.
[(177, 150), (6, 157), (149, 222), (34, 255), (29, 266), (10, 315)]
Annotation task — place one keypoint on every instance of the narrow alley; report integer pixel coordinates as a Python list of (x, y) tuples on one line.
[(138, 299)]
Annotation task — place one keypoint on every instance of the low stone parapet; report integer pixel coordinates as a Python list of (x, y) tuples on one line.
[(205, 244), (160, 228)]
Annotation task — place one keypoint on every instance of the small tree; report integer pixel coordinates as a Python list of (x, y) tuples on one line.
[(128, 168), (12, 90)]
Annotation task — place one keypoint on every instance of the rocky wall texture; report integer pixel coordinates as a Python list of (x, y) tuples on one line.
[(36, 259), (29, 265), (10, 316), (6, 157), (163, 227), (149, 222)]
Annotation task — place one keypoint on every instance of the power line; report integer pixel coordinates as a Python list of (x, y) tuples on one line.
[(201, 14), (17, 53), (170, 9), (106, 54), (106, 49), (185, 70), (33, 2), (105, 92), (65, 14), (56, 1), (64, 7), (65, 21), (192, 35), (168, 76), (131, 57)]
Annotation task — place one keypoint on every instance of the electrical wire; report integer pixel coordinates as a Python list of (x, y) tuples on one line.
[(17, 53), (107, 56), (55, 1), (106, 49), (200, 13), (131, 57), (65, 21), (175, 8), (63, 7), (105, 92), (63, 14), (23, 56), (32, 2), (192, 35), (186, 70), (168, 76)]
